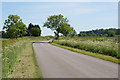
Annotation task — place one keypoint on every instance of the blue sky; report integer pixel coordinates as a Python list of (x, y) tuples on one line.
[(81, 15)]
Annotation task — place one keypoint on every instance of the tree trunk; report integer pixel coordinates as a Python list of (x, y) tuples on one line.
[(57, 35)]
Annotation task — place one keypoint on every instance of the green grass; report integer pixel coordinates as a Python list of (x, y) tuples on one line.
[(26, 66), (7, 42), (0, 67), (104, 57), (9, 56), (97, 38), (109, 48), (37, 74), (12, 50)]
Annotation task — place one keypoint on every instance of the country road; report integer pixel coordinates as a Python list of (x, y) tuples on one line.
[(55, 62)]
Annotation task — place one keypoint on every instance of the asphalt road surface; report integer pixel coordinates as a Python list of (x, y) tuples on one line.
[(55, 62)]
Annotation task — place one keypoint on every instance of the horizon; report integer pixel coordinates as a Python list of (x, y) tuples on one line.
[(83, 16)]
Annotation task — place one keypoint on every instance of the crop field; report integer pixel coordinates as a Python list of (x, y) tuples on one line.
[(102, 46), (12, 50)]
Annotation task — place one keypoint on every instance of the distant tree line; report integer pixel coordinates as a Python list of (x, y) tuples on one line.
[(14, 28), (111, 32)]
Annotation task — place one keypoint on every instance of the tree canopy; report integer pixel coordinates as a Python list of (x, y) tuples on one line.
[(58, 24), (33, 30), (111, 32), (14, 27)]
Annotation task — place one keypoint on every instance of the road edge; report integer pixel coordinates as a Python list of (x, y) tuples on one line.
[(39, 73), (100, 56)]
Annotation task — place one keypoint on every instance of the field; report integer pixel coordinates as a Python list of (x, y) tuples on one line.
[(12, 49), (99, 45)]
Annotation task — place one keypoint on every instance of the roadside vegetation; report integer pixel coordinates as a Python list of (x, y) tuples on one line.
[(12, 49), (97, 46), (97, 55), (18, 57), (109, 48)]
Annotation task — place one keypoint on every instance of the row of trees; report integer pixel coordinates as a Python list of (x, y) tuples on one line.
[(16, 28), (100, 32)]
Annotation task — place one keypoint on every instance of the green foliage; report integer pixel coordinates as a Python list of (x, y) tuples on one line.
[(72, 32), (103, 47), (35, 31), (111, 32), (30, 26), (104, 57), (14, 27), (65, 29), (12, 50), (9, 56), (60, 25), (4, 35), (83, 34)]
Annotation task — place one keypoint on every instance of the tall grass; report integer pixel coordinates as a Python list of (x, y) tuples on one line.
[(0, 59), (97, 38), (109, 48), (9, 56), (12, 49)]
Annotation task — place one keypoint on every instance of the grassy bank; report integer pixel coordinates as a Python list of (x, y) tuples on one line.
[(109, 48), (13, 50), (104, 57), (10, 55), (0, 59), (26, 66)]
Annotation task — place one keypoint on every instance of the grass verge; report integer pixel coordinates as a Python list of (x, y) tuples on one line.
[(100, 56), (26, 66), (18, 59), (38, 73), (10, 54)]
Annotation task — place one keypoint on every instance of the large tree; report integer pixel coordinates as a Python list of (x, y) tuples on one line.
[(55, 23), (66, 30), (14, 27), (34, 30), (72, 32)]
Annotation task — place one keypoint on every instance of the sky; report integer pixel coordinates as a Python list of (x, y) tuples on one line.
[(59, 0), (83, 16)]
